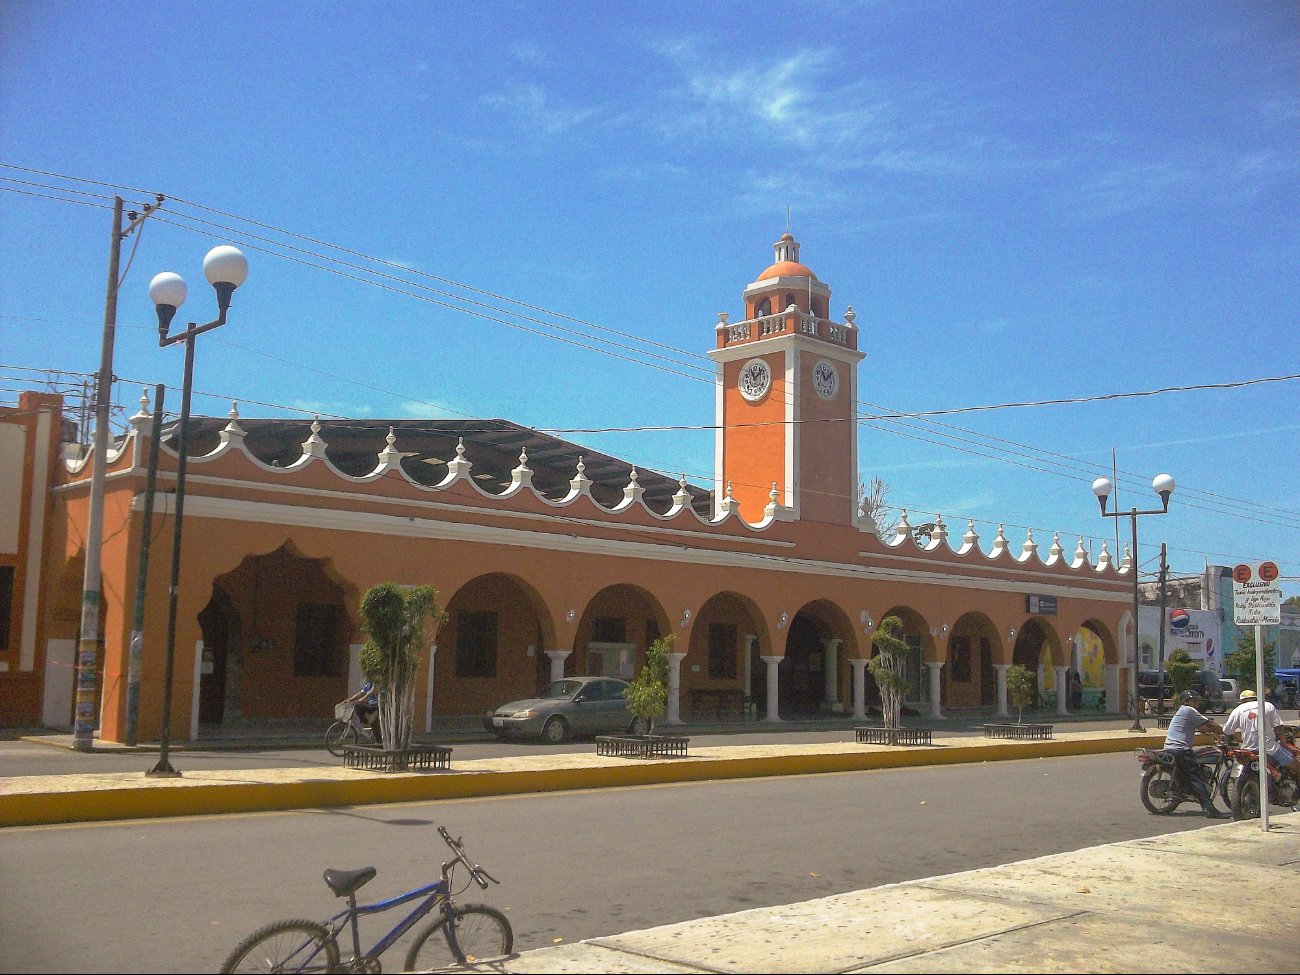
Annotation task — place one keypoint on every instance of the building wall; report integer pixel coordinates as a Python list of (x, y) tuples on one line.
[(29, 452)]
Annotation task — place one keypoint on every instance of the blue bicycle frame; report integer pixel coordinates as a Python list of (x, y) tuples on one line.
[(433, 893)]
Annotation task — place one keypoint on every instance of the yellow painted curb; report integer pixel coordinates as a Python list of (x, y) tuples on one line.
[(97, 800)]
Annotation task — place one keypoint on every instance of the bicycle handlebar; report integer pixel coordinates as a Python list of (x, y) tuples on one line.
[(475, 871)]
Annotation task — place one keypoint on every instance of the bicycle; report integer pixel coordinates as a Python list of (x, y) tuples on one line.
[(462, 934), (349, 729)]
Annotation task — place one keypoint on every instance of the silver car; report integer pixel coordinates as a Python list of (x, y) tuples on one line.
[(568, 707)]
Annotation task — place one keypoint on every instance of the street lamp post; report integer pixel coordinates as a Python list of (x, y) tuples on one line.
[(1163, 485), (226, 269)]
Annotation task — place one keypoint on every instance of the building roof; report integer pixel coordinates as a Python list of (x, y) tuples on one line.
[(493, 446)]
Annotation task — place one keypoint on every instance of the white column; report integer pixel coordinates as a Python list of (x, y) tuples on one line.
[(1114, 699), (772, 664), (1062, 690), (194, 696), (751, 645), (935, 687), (1000, 677), (859, 688), (557, 662), (830, 671), (428, 689), (674, 714)]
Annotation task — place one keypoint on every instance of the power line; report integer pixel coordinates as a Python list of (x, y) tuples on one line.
[(888, 420)]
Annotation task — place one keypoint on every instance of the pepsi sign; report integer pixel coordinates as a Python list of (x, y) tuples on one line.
[(1179, 619)]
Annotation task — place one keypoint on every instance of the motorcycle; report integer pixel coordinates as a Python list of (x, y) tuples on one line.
[(1163, 791), (1283, 786)]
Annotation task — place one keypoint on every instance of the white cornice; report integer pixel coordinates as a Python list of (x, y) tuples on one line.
[(403, 526)]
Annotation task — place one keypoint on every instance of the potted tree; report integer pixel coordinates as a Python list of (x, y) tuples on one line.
[(1022, 684), (887, 669), (647, 693), (647, 699), (396, 620)]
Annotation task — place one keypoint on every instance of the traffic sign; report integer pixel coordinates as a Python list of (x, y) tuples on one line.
[(1256, 594)]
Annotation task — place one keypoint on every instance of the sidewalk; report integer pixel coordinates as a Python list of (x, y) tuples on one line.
[(1142, 905)]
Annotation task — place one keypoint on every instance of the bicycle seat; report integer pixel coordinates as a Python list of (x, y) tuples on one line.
[(345, 882)]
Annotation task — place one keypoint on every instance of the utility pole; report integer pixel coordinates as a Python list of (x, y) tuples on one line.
[(90, 644)]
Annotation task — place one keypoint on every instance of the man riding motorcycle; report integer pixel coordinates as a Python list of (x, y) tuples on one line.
[(1186, 722), (1243, 723)]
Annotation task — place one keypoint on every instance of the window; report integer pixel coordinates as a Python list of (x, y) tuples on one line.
[(959, 655), (317, 646), (476, 644), (764, 308), (6, 604), (651, 631), (722, 651), (608, 629)]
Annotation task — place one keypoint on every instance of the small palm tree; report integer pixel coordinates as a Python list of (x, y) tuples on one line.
[(647, 693), (396, 619), (1021, 684)]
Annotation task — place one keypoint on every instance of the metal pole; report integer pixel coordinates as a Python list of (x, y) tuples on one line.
[(1160, 710), (1261, 743), (1133, 671), (164, 766), (142, 576), (90, 645)]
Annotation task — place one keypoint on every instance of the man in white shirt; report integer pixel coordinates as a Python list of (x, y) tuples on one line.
[(1244, 721)]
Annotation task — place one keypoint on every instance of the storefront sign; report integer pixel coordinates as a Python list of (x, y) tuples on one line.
[(1043, 605)]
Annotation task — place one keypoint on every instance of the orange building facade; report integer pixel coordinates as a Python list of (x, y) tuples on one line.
[(551, 560)]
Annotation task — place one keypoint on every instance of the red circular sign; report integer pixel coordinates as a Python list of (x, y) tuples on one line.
[(1241, 573), (1267, 571)]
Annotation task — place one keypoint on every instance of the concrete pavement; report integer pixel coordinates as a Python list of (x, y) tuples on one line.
[(1142, 905)]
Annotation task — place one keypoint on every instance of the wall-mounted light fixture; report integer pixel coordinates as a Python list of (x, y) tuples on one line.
[(569, 618), (944, 629), (686, 616), (785, 617), (1011, 633)]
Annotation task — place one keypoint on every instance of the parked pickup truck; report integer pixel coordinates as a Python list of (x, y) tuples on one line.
[(1205, 683)]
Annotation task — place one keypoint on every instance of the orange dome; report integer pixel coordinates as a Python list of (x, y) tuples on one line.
[(783, 269)]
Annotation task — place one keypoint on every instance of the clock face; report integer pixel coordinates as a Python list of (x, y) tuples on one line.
[(755, 380), (825, 379)]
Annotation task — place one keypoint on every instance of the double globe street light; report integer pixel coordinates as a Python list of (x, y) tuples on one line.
[(226, 269), (1163, 485)]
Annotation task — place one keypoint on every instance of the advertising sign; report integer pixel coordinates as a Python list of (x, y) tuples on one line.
[(1256, 594)]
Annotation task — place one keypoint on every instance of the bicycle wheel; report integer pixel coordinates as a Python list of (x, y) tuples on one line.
[(340, 733), (483, 933), (285, 946)]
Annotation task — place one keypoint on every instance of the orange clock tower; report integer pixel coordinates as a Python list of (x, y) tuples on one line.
[(786, 398)]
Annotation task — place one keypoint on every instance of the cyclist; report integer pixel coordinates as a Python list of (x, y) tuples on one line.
[(367, 704)]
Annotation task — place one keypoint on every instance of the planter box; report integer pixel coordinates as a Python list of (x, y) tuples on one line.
[(893, 736), (646, 746), (1040, 732), (416, 758)]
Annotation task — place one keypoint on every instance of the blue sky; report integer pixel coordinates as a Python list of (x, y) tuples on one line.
[(1021, 202)]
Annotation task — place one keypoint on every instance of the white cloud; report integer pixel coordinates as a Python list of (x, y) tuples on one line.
[(534, 107)]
